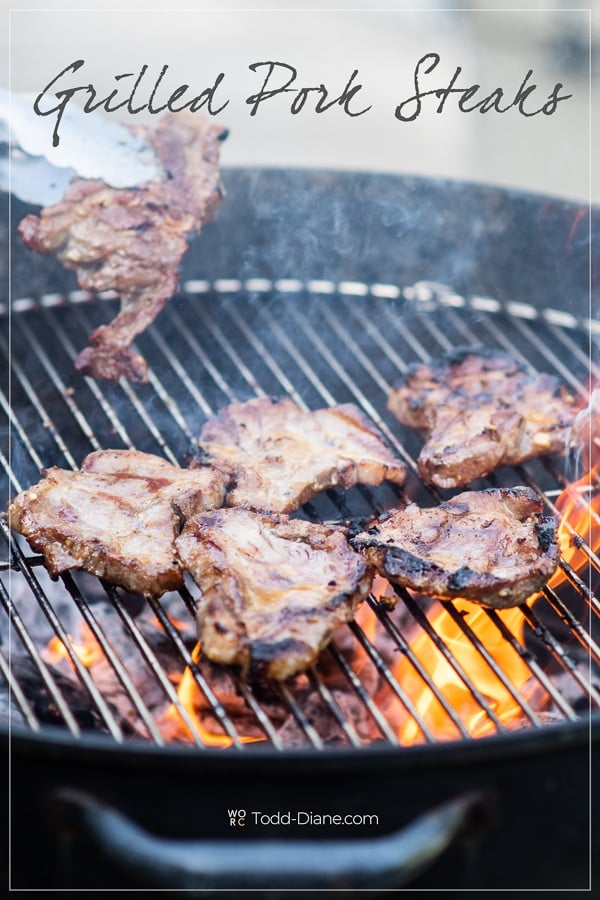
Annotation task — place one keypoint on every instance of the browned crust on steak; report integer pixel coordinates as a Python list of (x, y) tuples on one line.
[(479, 409), (273, 588), (495, 547), (132, 240), (278, 456), (117, 518)]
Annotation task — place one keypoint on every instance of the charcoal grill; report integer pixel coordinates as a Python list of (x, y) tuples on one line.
[(322, 287)]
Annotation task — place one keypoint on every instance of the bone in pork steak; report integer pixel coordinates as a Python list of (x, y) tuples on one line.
[(273, 588), (132, 240), (279, 456), (495, 547), (479, 409), (117, 518)]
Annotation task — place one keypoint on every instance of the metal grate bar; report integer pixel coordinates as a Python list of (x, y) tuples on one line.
[(183, 377), (559, 653), (261, 350), (207, 690), (12, 479), (392, 683), (44, 418), (300, 716), (92, 384), (377, 717), (533, 665), (135, 403), (298, 358), (61, 705), (405, 648), (334, 710), (492, 327), (420, 617), (199, 353), (354, 390), (16, 691), (459, 620), (230, 351), (61, 388), (168, 402), (575, 627), (573, 350), (261, 717), (375, 335), (216, 706), (110, 654), (57, 626)]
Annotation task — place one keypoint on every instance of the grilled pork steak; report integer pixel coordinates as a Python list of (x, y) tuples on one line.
[(117, 518), (279, 456), (479, 409), (273, 588), (132, 240), (495, 547)]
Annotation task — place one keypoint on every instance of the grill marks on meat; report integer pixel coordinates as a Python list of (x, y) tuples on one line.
[(279, 456), (273, 588), (495, 547), (132, 240), (479, 409), (117, 518)]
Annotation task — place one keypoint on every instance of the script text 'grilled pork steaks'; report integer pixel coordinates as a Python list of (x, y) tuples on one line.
[(279, 456), (132, 240), (273, 588), (479, 409), (117, 518), (495, 547)]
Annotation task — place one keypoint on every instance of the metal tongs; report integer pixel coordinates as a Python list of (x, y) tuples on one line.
[(91, 146)]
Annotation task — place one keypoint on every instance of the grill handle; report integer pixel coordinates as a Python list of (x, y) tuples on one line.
[(392, 860)]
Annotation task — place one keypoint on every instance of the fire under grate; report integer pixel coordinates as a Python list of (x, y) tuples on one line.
[(85, 656)]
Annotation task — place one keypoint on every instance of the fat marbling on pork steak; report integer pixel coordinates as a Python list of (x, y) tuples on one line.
[(273, 588), (131, 240), (479, 409), (116, 518), (278, 456), (495, 547)]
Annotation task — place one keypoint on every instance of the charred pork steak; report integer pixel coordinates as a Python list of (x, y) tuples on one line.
[(495, 547), (117, 518), (479, 409), (278, 456), (132, 240), (273, 588)]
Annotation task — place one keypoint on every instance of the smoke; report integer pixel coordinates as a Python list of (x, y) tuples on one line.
[(585, 437)]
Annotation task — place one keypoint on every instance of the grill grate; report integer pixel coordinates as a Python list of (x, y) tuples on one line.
[(321, 344)]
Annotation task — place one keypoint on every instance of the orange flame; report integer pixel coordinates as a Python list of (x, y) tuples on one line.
[(579, 507), (189, 695), (86, 650)]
